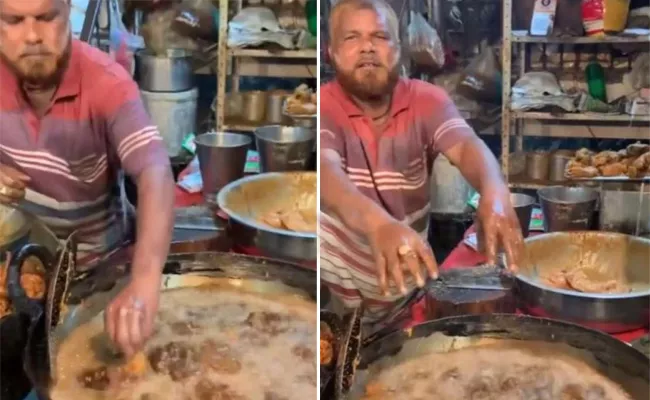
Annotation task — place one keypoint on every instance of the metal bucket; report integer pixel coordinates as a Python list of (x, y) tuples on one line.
[(523, 205), (568, 208), (169, 73), (222, 158), (284, 148)]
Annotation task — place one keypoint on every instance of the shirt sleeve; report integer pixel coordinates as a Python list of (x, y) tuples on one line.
[(131, 134), (444, 126)]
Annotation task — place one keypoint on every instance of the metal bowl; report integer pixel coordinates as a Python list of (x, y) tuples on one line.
[(626, 256), (248, 198)]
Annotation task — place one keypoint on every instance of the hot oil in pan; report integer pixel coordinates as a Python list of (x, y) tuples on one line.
[(493, 369), (232, 343)]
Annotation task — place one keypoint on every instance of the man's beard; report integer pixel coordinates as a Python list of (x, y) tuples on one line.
[(371, 87), (43, 73)]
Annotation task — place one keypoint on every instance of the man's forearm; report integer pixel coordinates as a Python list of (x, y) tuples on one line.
[(478, 165), (341, 197), (155, 220)]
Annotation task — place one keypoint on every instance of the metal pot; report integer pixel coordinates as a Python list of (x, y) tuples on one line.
[(627, 255), (170, 73), (254, 196), (537, 165), (284, 148), (254, 106), (558, 162), (608, 356), (568, 208), (181, 270)]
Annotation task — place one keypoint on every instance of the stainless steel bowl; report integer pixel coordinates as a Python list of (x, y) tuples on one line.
[(284, 148), (246, 199), (625, 256)]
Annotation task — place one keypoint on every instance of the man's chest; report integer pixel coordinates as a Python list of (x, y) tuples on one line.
[(66, 141)]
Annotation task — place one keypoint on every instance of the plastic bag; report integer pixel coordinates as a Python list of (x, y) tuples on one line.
[(425, 46), (481, 80), (123, 44)]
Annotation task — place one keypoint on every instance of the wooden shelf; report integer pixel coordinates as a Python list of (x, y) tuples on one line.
[(596, 117), (309, 54), (524, 37)]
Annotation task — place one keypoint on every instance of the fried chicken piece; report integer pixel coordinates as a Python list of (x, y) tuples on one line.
[(642, 163), (590, 280), (34, 285), (605, 157), (219, 357), (5, 306), (295, 220), (176, 359), (557, 279), (576, 170), (326, 352), (268, 322), (637, 149), (583, 156), (105, 377), (613, 169)]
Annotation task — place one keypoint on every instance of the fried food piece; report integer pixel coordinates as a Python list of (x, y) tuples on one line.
[(268, 322), (34, 285), (605, 157), (326, 352), (184, 328), (96, 379), (557, 279), (642, 163), (590, 280), (637, 149), (576, 170), (219, 357), (138, 365), (206, 389), (301, 102), (176, 359), (5, 306), (583, 157), (303, 352), (613, 169)]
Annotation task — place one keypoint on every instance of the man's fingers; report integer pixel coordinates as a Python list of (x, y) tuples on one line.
[(380, 264), (110, 322), (413, 263), (136, 321), (514, 247), (123, 338), (13, 178), (395, 270), (426, 255)]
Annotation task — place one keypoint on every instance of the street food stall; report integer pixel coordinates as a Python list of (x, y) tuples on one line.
[(239, 287), (573, 321)]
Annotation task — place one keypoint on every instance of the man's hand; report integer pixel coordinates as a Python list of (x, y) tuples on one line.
[(499, 228), (12, 185), (130, 317), (398, 249)]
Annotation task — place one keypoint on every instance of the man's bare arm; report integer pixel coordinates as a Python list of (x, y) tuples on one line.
[(477, 164), (341, 197), (155, 220)]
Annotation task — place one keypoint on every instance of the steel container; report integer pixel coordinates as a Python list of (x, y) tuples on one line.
[(169, 73)]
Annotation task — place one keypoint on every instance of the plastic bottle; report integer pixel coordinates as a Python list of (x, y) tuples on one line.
[(595, 75)]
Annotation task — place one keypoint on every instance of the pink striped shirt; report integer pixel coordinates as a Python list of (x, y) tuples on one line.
[(392, 168)]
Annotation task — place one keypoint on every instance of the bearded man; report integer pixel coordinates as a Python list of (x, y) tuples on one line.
[(379, 136), (71, 120)]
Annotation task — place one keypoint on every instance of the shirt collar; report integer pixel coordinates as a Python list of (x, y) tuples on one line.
[(70, 85), (399, 102)]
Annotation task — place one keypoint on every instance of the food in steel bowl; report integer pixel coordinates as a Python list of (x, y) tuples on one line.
[(297, 216), (506, 371)]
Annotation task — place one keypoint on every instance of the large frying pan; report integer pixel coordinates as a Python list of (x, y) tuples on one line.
[(613, 358), (182, 270)]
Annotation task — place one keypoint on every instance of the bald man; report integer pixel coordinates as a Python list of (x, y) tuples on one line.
[(379, 137), (71, 120)]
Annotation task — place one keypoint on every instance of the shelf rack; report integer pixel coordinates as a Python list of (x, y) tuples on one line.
[(512, 122), (253, 62)]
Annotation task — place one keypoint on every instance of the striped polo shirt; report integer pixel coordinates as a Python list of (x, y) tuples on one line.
[(95, 128), (392, 168)]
